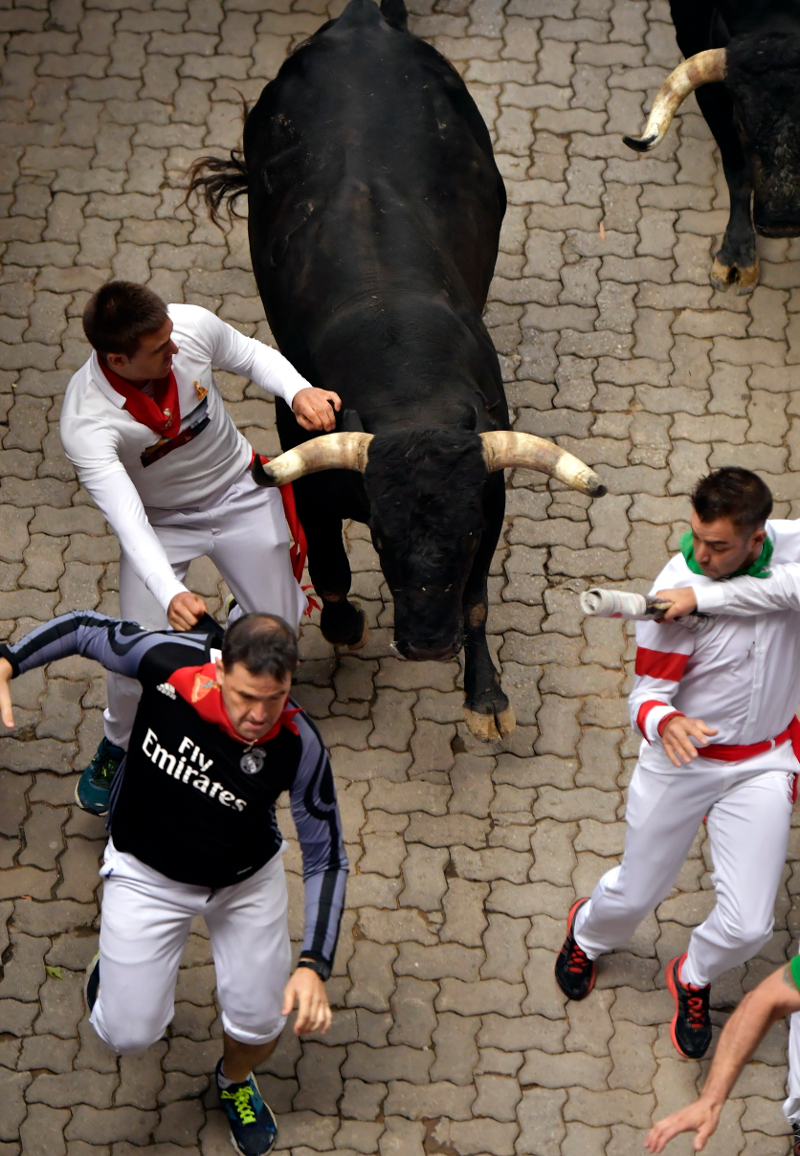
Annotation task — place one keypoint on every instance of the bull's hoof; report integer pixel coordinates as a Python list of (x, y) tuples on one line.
[(745, 277), (487, 728), (363, 626)]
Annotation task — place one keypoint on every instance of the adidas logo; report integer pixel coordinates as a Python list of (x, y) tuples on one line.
[(167, 688)]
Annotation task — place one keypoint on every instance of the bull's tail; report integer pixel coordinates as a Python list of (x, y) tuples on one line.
[(217, 179), (394, 13)]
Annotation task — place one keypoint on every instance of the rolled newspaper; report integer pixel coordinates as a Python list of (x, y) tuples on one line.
[(625, 604)]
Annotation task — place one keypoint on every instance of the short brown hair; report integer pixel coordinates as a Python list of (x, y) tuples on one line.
[(119, 314), (733, 493)]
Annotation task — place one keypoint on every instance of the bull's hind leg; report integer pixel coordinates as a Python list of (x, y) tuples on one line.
[(342, 623), (487, 711)]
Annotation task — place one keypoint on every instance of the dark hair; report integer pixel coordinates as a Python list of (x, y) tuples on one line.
[(119, 314), (733, 493), (263, 643)]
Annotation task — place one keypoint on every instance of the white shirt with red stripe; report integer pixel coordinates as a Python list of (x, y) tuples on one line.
[(742, 674)]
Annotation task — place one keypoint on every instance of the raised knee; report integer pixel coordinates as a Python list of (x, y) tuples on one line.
[(129, 1038), (748, 934)]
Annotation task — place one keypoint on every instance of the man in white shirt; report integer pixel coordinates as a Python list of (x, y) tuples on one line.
[(716, 712), (145, 427), (757, 600)]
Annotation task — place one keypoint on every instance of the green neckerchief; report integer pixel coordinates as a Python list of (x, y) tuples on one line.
[(757, 569)]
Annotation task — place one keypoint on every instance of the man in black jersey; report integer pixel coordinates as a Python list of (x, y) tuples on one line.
[(213, 746)]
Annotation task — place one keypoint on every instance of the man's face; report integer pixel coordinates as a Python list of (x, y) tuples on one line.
[(721, 548), (153, 358), (253, 701)]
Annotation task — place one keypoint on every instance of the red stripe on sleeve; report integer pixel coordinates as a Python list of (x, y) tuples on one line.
[(644, 711), (661, 664)]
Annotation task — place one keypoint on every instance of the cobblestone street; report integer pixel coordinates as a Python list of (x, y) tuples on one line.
[(450, 1035)]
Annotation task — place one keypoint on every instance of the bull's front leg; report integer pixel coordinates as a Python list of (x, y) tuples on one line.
[(342, 623), (487, 711), (737, 259)]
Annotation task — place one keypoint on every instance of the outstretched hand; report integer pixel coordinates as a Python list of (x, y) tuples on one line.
[(312, 408), (684, 601), (701, 1117), (306, 991), (6, 710)]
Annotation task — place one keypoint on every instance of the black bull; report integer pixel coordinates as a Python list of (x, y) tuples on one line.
[(746, 70), (375, 208)]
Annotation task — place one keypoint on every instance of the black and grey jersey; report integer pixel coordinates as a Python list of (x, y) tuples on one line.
[(189, 800)]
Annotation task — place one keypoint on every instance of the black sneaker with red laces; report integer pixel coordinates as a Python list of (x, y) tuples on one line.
[(691, 1024), (575, 972), (795, 1137)]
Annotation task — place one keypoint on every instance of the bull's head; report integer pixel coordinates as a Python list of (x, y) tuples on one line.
[(426, 495), (762, 74)]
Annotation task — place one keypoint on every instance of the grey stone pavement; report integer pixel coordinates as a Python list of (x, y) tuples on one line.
[(449, 1035)]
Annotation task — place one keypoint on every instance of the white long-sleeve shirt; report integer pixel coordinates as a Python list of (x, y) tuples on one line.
[(108, 447), (742, 674)]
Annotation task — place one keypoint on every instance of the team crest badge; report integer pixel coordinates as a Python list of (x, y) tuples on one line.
[(200, 390), (252, 762), (202, 686)]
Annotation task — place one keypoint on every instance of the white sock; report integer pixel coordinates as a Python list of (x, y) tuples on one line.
[(224, 1082)]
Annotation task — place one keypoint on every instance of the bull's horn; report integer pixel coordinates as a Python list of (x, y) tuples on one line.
[(702, 68), (336, 451), (504, 450)]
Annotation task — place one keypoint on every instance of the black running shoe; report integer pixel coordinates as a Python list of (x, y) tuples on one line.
[(691, 1024), (575, 972), (253, 1126), (796, 1138)]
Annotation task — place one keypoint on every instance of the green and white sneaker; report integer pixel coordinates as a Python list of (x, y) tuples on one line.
[(91, 793), (253, 1127)]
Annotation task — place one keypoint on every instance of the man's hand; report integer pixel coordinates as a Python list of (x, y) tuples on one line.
[(185, 610), (306, 991), (701, 1117), (676, 741), (6, 674), (312, 408), (683, 602)]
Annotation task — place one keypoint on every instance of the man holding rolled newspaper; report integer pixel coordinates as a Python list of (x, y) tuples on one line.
[(715, 705)]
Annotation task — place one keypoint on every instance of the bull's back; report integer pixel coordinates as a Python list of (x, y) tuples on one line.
[(371, 166)]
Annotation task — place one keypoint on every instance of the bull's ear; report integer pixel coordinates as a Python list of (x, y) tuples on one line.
[(351, 422), (469, 418), (719, 30)]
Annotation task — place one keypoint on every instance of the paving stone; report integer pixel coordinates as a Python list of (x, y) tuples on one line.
[(456, 1053), (42, 1133)]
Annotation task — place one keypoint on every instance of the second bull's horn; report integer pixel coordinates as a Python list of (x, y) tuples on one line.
[(702, 68), (503, 449), (335, 451)]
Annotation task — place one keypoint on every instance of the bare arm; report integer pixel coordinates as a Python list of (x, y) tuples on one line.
[(775, 997)]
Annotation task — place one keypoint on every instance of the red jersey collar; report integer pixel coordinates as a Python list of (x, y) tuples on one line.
[(161, 414), (198, 686)]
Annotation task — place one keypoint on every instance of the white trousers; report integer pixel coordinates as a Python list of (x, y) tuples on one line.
[(748, 807), (245, 535), (145, 922)]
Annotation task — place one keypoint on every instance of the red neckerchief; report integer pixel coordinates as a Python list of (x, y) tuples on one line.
[(198, 685), (163, 414)]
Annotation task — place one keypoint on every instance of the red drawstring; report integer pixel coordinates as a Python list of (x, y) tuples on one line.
[(298, 550)]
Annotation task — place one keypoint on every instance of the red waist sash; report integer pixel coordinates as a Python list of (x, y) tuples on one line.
[(732, 753)]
